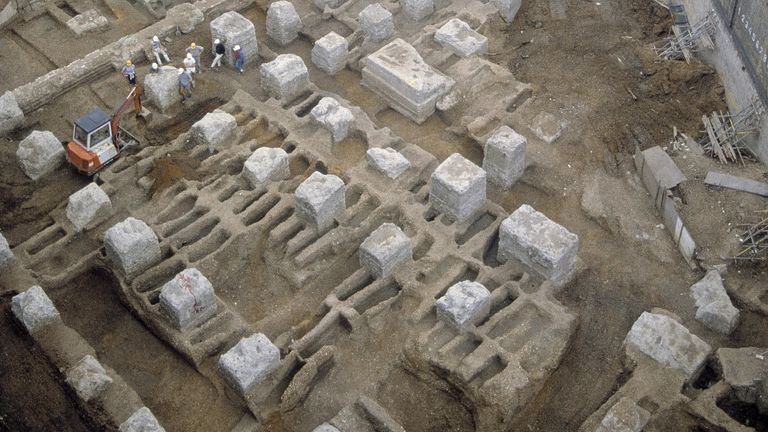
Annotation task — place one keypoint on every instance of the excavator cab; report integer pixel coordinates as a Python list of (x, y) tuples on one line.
[(92, 144)]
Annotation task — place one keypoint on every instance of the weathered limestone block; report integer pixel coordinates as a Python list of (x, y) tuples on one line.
[(34, 309), (141, 421), (384, 249), (387, 161), (285, 77), (213, 129), (460, 38), (624, 416), (88, 22), (332, 4), (234, 29), (186, 16), (397, 73), (508, 8), (504, 158), (417, 10), (715, 309), (325, 427), (88, 207), (377, 23), (331, 115), (88, 378), (320, 199), (464, 304), (162, 88), (7, 259), (543, 245), (330, 53), (39, 154), (11, 116), (548, 127), (668, 342), (249, 362), (132, 247), (283, 23), (266, 165), (745, 371), (188, 300), (458, 187)]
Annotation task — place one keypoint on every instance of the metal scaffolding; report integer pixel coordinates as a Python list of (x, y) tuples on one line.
[(686, 39), (726, 134)]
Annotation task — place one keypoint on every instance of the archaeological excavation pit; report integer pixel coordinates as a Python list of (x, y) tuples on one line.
[(404, 215)]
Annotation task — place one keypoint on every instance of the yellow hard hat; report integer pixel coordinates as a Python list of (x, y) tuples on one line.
[(193, 45), (128, 62)]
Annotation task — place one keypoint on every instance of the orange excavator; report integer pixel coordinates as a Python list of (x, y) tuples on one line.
[(98, 139)]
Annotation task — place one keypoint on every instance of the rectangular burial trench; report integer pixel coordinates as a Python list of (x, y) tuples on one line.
[(181, 398)]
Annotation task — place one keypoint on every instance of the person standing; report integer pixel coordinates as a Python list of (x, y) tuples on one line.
[(185, 84), (239, 59), (158, 49), (196, 51), (189, 66), (219, 50), (154, 69), (129, 72)]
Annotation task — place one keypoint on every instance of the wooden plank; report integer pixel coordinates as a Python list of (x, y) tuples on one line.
[(737, 183), (713, 139), (722, 136)]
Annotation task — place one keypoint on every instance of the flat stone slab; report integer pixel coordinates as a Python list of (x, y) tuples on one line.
[(34, 309), (387, 161), (715, 309), (141, 421), (162, 88), (547, 127), (384, 249), (417, 10), (249, 362), (11, 116), (668, 342), (541, 244), (377, 22), (132, 247), (88, 378), (266, 165), (188, 300), (464, 304), (458, 188), (234, 29), (460, 38), (283, 23), (662, 167), (88, 207), (39, 154), (330, 53), (334, 117), (320, 199), (504, 157), (736, 183), (214, 129), (624, 416), (745, 370), (7, 259), (285, 77)]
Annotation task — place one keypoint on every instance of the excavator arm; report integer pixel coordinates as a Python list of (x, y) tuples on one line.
[(134, 97)]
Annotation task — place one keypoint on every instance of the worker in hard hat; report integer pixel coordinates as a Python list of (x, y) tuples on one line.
[(185, 84), (196, 51), (129, 72), (159, 50), (189, 67), (154, 68), (239, 58), (218, 50)]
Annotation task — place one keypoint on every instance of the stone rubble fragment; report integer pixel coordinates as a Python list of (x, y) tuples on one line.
[(320, 199), (377, 23), (162, 88), (283, 22), (458, 188), (249, 362), (746, 372), (213, 129), (464, 304), (331, 115), (547, 127), (34, 309), (417, 10), (624, 416), (714, 307), (11, 116), (89, 21), (265, 165), (325, 427), (88, 378), (330, 53), (384, 249), (188, 300), (132, 247), (331, 4), (504, 158), (232, 29), (88, 207), (39, 154), (387, 161), (285, 77), (7, 259), (508, 8), (141, 421), (460, 38)]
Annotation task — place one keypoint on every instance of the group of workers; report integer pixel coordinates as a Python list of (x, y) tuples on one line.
[(192, 64)]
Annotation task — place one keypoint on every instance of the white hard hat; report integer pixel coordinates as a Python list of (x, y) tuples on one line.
[(217, 41), (154, 65), (181, 71), (155, 38), (237, 48), (189, 55)]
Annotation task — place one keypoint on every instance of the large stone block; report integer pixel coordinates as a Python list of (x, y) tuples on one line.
[(330, 53), (90, 21), (34, 309), (266, 165), (7, 259), (88, 378), (88, 207), (188, 300), (334, 117), (543, 245), (624, 416), (397, 73), (249, 362), (464, 304), (11, 116), (377, 23), (745, 371), (417, 10), (320, 199), (715, 309), (132, 247), (667, 342), (285, 77), (504, 158), (213, 129), (458, 188), (384, 249), (283, 23), (460, 38), (325, 427), (388, 161), (141, 421), (39, 154), (234, 29), (508, 8), (162, 88)]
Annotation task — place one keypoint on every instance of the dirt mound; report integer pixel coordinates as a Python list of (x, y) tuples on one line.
[(167, 170)]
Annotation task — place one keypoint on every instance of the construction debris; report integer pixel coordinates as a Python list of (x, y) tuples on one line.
[(686, 39), (726, 134), (753, 243)]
